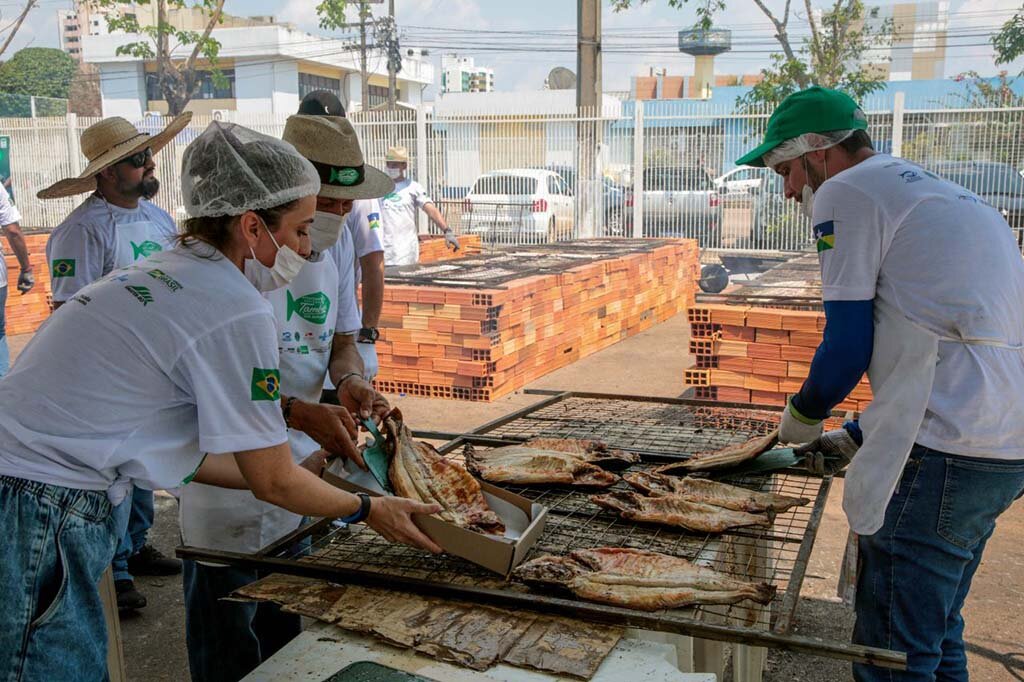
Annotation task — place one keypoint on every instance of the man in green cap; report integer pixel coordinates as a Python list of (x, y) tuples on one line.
[(922, 283)]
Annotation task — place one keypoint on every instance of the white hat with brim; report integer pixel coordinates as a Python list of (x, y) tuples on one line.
[(107, 142), (331, 145)]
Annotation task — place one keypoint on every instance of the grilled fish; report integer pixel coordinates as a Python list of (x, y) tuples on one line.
[(724, 458), (712, 492), (640, 580), (525, 466), (673, 510), (593, 451), (420, 472)]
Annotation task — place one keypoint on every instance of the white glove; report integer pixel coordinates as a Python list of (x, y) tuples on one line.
[(368, 352), (795, 429), (451, 240), (828, 453)]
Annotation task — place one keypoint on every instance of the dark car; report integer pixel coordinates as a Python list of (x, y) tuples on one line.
[(616, 201), (999, 184)]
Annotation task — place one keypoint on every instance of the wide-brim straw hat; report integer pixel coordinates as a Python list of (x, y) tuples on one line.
[(331, 145), (107, 142), (397, 154)]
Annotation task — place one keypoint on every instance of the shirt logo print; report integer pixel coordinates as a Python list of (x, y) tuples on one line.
[(141, 293), (266, 384), (64, 267), (145, 249), (825, 235)]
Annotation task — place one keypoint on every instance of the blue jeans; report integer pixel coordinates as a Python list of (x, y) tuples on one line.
[(915, 572), (56, 544), (5, 353), (251, 633), (135, 516)]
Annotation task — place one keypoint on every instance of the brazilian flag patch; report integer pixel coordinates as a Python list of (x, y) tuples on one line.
[(825, 234), (64, 267), (266, 384)]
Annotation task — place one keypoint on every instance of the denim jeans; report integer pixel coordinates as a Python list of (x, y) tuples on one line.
[(915, 572), (5, 353), (56, 544), (250, 633), (138, 508)]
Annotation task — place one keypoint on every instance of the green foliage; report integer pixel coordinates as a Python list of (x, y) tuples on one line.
[(706, 9), (1009, 42), (39, 71)]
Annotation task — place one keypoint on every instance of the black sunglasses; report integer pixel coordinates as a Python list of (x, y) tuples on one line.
[(139, 159)]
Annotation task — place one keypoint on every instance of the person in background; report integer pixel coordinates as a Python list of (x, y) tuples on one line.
[(114, 227), (9, 219)]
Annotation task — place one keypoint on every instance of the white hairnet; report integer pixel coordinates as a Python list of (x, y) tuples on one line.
[(808, 142), (230, 169)]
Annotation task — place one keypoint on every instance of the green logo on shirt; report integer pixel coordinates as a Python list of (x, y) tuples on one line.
[(168, 281), (266, 384), (392, 196), (145, 249), (311, 307), (141, 293), (343, 176), (64, 267)]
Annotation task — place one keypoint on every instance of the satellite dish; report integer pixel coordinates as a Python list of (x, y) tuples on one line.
[(561, 78)]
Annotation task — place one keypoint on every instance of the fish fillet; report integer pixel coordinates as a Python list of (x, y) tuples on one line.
[(712, 492), (672, 510), (593, 451), (724, 458), (526, 466), (420, 472), (640, 580)]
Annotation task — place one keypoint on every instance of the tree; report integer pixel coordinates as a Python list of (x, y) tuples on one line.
[(332, 17), (179, 78), (1009, 42), (39, 71), (12, 28), (831, 57)]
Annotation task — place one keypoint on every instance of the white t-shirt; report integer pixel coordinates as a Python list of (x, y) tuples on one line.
[(343, 253), (364, 224), (401, 236), (8, 214), (99, 237), (948, 261), (142, 372)]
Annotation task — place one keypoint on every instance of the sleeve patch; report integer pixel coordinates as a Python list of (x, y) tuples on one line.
[(824, 234)]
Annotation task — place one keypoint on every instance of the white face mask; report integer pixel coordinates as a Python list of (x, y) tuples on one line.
[(807, 194), (325, 229), (393, 173), (287, 264)]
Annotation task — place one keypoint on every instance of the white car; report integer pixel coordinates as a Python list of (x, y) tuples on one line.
[(743, 180), (519, 205)]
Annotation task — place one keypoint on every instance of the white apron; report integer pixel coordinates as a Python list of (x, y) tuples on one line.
[(137, 241), (901, 372), (234, 520), (400, 234)]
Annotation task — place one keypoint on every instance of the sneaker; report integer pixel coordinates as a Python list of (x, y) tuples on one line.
[(150, 561), (128, 598)]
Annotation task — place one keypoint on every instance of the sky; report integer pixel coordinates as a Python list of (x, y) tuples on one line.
[(522, 40)]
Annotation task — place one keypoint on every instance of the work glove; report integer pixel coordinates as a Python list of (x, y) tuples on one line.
[(368, 352), (829, 453), (26, 281), (796, 428), (451, 240)]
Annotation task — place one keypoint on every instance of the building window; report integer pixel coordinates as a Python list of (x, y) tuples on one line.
[(378, 95), (207, 89), (308, 83)]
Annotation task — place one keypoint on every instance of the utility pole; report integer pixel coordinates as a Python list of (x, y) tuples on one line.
[(392, 65), (364, 75), (588, 99)]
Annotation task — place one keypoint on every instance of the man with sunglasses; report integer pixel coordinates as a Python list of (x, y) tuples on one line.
[(115, 227)]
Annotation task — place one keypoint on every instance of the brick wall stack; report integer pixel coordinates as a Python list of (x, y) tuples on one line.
[(480, 344), (757, 355), (26, 312), (433, 248)]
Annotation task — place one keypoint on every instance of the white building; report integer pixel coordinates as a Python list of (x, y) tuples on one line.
[(460, 74), (269, 69), (74, 24), (919, 38)]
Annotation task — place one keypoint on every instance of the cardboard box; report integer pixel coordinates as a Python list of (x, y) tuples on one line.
[(500, 555)]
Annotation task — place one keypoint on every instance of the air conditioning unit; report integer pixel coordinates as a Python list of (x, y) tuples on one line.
[(149, 114), (221, 114)]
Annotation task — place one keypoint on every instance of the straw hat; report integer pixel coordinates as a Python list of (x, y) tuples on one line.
[(331, 145), (398, 154), (107, 142)]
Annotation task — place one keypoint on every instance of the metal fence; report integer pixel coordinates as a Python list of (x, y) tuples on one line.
[(515, 178)]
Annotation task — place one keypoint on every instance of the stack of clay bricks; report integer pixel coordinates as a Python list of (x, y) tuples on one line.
[(480, 344), (433, 248), (756, 355), (26, 312)]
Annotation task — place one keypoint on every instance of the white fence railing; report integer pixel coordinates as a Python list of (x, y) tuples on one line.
[(518, 179)]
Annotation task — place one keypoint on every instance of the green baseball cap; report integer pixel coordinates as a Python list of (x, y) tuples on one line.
[(814, 110)]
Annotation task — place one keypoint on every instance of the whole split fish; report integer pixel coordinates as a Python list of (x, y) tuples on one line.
[(672, 510), (712, 492), (524, 465), (722, 459)]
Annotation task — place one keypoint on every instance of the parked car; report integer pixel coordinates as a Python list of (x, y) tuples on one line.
[(682, 202), (616, 203), (999, 184), (519, 205), (744, 180)]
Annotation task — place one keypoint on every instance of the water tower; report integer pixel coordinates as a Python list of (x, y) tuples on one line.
[(704, 44)]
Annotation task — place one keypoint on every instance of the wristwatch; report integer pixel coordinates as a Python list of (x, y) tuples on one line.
[(368, 335), (362, 512)]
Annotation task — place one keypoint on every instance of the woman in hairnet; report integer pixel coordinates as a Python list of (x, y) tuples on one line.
[(176, 354)]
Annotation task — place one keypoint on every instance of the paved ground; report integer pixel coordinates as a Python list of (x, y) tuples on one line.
[(650, 364)]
